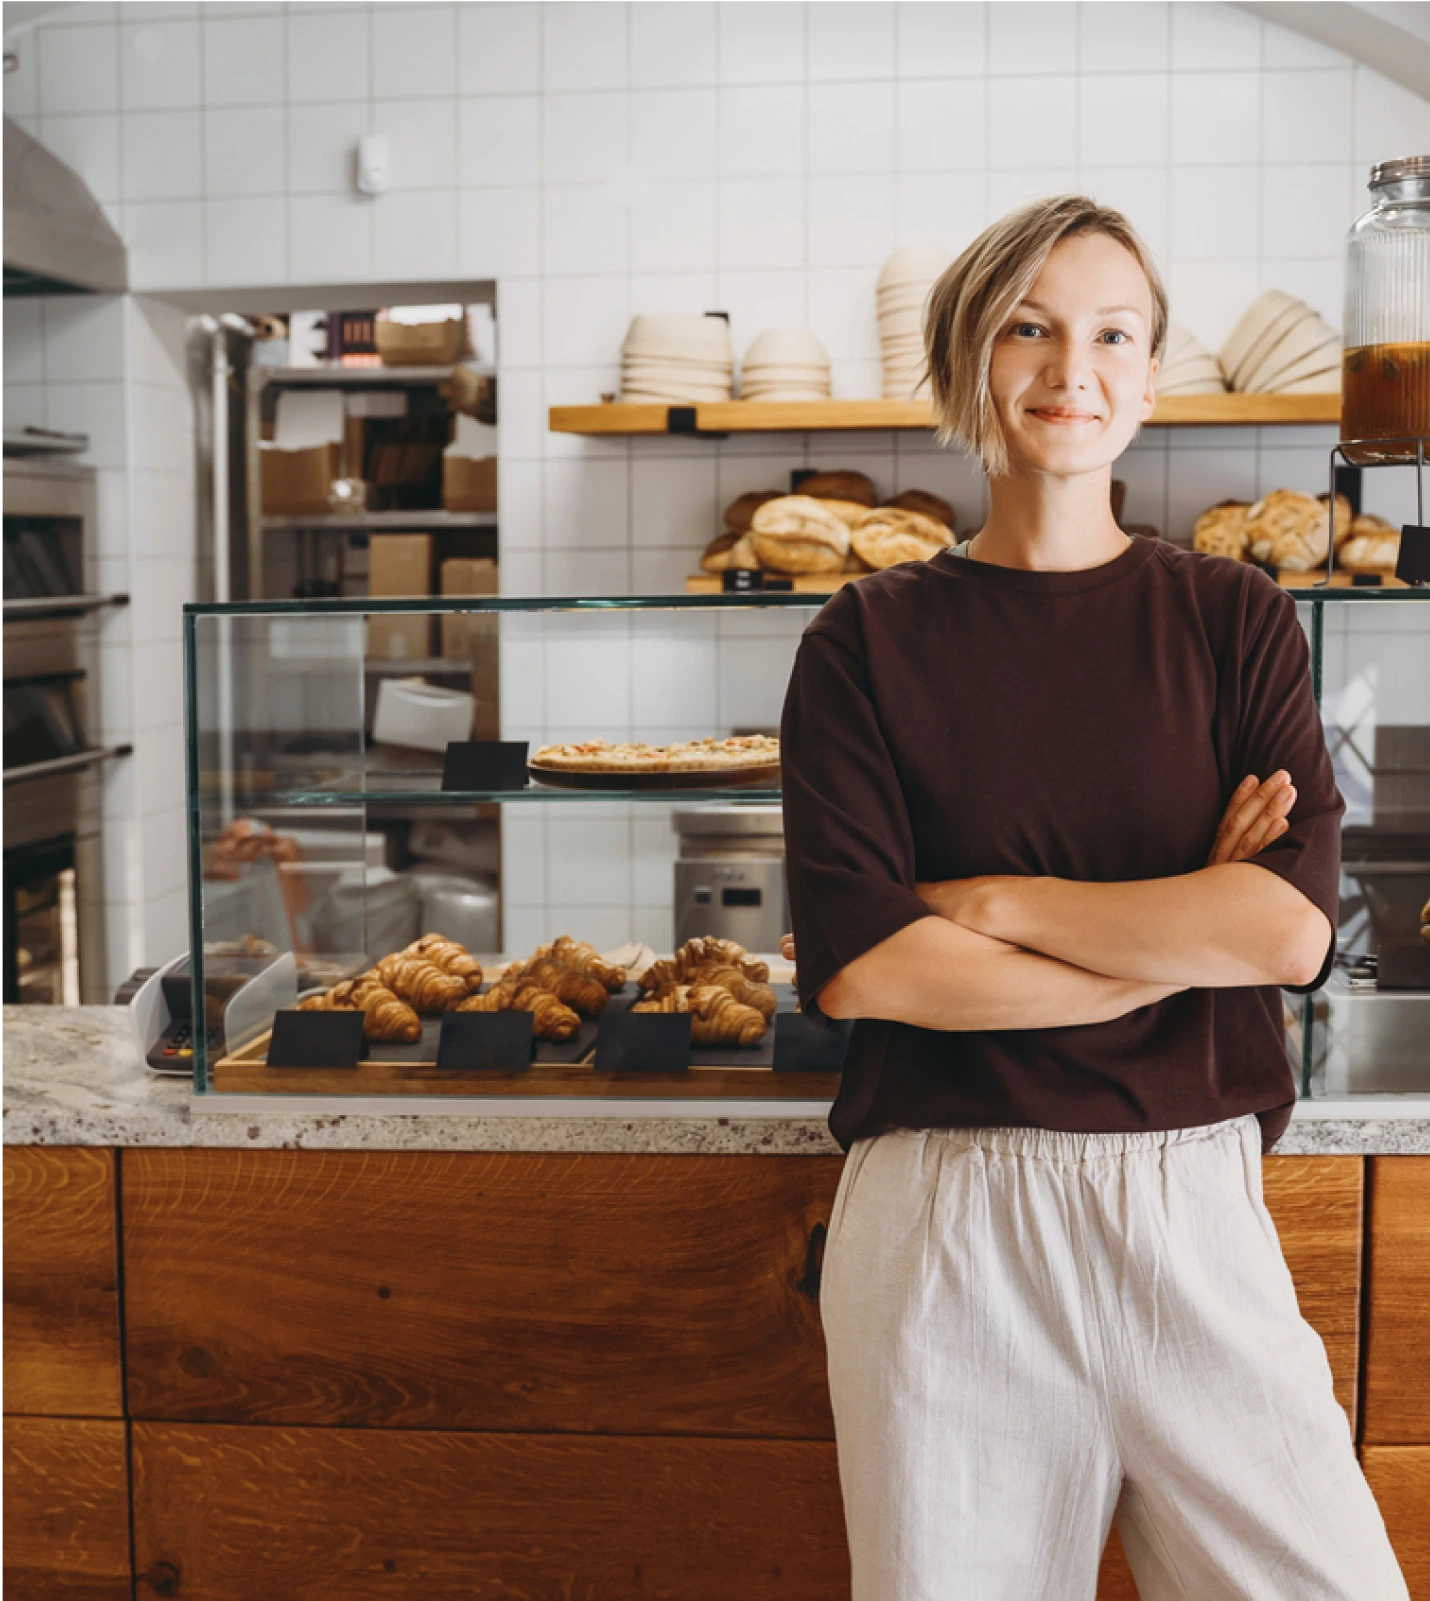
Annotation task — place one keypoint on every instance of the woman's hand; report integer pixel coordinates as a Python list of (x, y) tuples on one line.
[(1255, 815)]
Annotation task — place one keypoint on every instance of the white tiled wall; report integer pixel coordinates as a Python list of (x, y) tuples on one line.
[(599, 159)]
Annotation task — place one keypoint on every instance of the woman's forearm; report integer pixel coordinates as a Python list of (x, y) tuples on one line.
[(1227, 925), (938, 974)]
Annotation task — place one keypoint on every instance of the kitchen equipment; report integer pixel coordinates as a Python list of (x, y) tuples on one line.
[(1385, 382), (421, 715), (730, 875)]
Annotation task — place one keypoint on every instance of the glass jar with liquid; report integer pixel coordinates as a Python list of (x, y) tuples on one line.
[(1385, 365)]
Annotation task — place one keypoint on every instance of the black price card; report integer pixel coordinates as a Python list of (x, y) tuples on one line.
[(803, 1045), (485, 764), (492, 1042), (315, 1039), (643, 1042)]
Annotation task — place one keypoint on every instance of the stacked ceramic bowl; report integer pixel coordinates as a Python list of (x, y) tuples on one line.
[(677, 359), (785, 364), (902, 296), (1280, 346), (1188, 367)]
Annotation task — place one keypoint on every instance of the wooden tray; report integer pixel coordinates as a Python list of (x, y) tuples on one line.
[(689, 778)]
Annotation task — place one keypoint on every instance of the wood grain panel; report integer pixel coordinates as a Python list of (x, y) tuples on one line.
[(66, 1510), (594, 1293), (1317, 1205), (1399, 1477), (1397, 1371), (61, 1283), (389, 1513)]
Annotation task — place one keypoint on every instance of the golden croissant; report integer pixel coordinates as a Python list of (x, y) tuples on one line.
[(585, 958), (716, 1017), (452, 958), (704, 951), (420, 983), (551, 1019), (385, 1016), (578, 990), (760, 996)]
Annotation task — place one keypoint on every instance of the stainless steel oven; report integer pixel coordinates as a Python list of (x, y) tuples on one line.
[(53, 764)]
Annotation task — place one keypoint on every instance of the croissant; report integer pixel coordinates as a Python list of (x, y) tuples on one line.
[(716, 1017), (567, 984), (551, 1019), (704, 951), (585, 958), (452, 958), (760, 996), (385, 1017), (421, 983)]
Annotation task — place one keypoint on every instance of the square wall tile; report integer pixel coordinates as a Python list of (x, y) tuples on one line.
[(851, 127), (498, 140), (762, 131), (244, 151), (1209, 38), (583, 46), (330, 237), (941, 125), (583, 137), (587, 572), (79, 69), (159, 65), (166, 244), (943, 209), (1140, 193), (498, 232), (416, 234), (1388, 116), (672, 132), (762, 223), (322, 146), (587, 504), (1215, 211), (842, 311), (518, 327), (246, 241), (583, 229), (762, 43), (1129, 38), (521, 514), (673, 228), (422, 140), (1123, 118), (673, 502), (1029, 117), (1307, 116), (499, 48), (851, 41), (1306, 209), (414, 52), (329, 55), (162, 151), (673, 680), (584, 320), (672, 43), (1216, 116), (851, 221), (96, 409), (84, 338), (24, 338), (1032, 38), (243, 61), (941, 41)]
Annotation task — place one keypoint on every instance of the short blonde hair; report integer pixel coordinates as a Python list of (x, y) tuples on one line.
[(970, 302)]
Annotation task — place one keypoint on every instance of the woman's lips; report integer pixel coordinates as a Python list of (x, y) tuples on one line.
[(1064, 417)]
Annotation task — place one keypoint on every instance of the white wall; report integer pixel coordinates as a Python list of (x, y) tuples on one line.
[(778, 154)]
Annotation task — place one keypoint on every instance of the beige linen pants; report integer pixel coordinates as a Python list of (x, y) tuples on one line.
[(1032, 1332)]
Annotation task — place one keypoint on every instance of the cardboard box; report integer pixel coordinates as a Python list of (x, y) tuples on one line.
[(402, 637), (399, 564), (297, 481), (475, 639), (469, 483), (419, 344)]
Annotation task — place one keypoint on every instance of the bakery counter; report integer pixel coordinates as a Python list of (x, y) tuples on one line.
[(73, 1077), (545, 1350)]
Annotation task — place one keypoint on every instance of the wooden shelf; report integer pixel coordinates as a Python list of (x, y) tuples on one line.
[(376, 521), (757, 416)]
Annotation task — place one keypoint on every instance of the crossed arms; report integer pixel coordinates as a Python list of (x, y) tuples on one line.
[(1005, 952)]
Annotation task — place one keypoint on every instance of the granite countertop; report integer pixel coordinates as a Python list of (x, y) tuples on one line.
[(73, 1076)]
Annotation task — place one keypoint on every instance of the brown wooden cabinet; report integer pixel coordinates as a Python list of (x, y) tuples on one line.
[(447, 1374)]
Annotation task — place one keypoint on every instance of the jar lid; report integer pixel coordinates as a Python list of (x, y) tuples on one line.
[(1401, 167)]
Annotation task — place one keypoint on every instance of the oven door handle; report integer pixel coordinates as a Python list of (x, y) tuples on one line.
[(64, 764)]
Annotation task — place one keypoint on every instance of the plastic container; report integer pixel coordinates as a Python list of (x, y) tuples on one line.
[(1385, 364)]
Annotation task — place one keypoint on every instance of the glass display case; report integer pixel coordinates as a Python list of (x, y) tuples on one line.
[(380, 862)]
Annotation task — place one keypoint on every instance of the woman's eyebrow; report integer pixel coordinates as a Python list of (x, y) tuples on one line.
[(1102, 311)]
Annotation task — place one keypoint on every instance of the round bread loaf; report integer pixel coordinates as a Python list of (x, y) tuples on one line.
[(848, 511), (1373, 542), (1342, 528), (921, 500), (889, 535), (740, 510), (855, 563), (842, 485), (1289, 528), (799, 534), (1221, 529)]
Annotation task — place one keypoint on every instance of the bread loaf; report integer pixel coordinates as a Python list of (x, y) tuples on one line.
[(921, 500), (798, 534), (888, 535), (841, 485), (1221, 529), (1373, 542), (1289, 528), (740, 510)]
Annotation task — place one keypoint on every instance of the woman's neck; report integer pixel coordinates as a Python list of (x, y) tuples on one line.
[(1044, 523)]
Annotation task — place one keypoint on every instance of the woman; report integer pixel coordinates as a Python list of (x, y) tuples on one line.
[(1052, 1294)]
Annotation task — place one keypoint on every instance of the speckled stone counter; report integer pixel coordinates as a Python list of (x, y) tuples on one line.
[(73, 1076)]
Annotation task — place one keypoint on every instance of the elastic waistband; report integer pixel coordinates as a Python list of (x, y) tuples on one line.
[(1063, 1145)]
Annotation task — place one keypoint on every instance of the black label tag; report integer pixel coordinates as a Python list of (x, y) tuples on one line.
[(485, 764), (496, 1042), (643, 1042), (804, 1046), (315, 1039)]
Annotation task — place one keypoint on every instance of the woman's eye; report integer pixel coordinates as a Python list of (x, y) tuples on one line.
[(1018, 327), (1120, 334)]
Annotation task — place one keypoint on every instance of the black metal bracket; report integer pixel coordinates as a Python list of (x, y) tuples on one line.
[(682, 420)]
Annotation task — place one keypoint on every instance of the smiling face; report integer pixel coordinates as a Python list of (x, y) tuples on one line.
[(1072, 367)]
